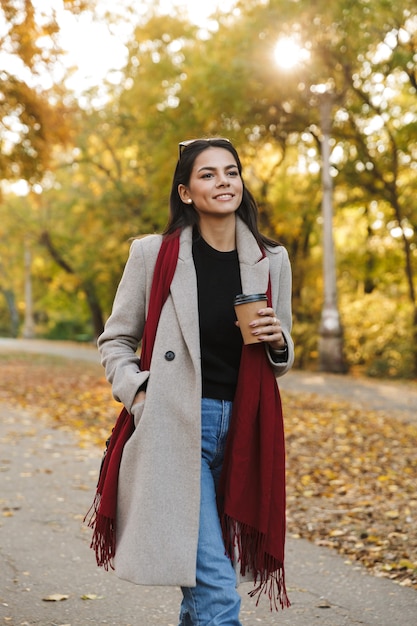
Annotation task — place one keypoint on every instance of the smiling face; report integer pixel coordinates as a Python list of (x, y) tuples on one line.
[(215, 186)]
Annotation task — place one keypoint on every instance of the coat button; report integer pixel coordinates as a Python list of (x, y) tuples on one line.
[(170, 356)]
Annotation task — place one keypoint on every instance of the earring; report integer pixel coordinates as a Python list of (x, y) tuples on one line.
[(189, 201)]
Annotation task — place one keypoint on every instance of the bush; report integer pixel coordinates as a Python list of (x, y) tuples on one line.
[(378, 335), (68, 329)]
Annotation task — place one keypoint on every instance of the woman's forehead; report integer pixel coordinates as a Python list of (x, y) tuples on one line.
[(214, 157)]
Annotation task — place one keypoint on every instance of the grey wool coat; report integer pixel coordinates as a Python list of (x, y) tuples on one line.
[(159, 481)]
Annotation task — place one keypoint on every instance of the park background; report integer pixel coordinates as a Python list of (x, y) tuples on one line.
[(87, 166), (94, 99)]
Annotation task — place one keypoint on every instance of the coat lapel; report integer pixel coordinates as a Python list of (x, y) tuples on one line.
[(184, 294), (254, 270)]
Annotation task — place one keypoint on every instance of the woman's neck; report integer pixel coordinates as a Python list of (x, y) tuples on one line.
[(219, 234)]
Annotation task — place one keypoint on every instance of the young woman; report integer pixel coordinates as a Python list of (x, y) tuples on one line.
[(185, 516)]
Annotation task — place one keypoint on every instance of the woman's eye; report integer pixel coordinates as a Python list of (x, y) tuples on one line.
[(233, 173)]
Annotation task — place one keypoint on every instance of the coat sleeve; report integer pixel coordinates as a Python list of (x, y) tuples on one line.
[(123, 331), (283, 309)]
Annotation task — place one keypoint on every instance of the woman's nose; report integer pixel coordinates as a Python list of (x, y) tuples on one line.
[(222, 181)]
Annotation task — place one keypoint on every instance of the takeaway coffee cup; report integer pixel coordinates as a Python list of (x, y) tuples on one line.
[(247, 308)]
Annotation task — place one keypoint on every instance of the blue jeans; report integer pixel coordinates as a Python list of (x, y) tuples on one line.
[(214, 601)]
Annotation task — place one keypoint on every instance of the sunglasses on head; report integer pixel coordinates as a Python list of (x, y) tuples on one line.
[(184, 144)]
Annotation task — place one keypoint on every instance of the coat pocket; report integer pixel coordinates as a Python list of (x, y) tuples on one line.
[(136, 411)]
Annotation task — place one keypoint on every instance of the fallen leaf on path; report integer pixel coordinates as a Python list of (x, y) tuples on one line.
[(55, 597)]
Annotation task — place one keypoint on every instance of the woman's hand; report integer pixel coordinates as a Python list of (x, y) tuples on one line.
[(267, 328), (139, 397)]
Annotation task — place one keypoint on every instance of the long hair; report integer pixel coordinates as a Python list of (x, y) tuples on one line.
[(182, 214)]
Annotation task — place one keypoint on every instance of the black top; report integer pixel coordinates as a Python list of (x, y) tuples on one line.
[(218, 280)]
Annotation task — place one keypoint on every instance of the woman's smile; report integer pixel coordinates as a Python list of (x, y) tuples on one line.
[(224, 196)]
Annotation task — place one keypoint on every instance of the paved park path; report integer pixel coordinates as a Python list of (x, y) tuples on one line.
[(48, 575)]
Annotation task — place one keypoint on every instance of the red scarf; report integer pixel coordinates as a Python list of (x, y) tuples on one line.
[(251, 494)]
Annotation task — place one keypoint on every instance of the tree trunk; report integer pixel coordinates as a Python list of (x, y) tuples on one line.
[(410, 282), (14, 314), (95, 308)]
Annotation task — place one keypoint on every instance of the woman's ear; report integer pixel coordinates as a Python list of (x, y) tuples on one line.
[(184, 194)]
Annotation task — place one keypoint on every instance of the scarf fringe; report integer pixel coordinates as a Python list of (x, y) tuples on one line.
[(268, 571), (103, 541), (274, 588)]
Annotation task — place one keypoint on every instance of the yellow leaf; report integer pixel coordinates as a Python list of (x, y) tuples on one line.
[(406, 564), (308, 493), (55, 597), (383, 478)]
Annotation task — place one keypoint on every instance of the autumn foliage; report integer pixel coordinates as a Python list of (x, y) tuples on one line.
[(98, 167)]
